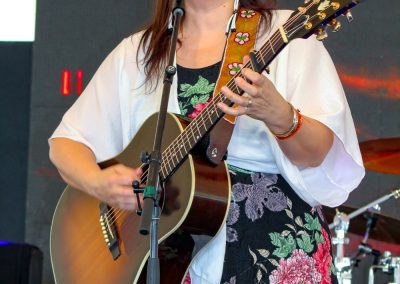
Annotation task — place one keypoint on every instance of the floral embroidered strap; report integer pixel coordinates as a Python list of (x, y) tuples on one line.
[(239, 44)]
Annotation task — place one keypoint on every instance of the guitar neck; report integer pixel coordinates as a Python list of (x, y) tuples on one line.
[(211, 114)]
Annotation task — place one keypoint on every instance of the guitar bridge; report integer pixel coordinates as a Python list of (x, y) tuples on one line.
[(110, 234)]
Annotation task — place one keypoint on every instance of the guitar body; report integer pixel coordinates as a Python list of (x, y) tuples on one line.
[(195, 201)]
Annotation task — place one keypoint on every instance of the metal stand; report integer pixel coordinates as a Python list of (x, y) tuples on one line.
[(388, 264), (341, 225), (342, 263), (395, 193), (151, 194)]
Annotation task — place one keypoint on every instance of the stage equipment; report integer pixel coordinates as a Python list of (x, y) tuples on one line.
[(341, 224), (388, 264)]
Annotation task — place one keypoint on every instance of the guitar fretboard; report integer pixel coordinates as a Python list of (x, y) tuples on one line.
[(211, 114)]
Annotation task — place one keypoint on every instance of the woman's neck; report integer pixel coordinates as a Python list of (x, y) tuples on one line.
[(203, 16)]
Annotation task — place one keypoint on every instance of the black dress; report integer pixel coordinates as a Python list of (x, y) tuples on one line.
[(273, 236)]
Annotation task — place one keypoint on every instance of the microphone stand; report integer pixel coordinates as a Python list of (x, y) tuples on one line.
[(151, 194)]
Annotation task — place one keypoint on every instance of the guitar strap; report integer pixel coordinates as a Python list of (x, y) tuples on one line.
[(239, 43)]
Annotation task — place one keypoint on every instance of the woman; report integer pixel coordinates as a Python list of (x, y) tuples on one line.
[(294, 162)]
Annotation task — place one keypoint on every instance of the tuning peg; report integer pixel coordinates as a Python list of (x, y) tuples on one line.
[(321, 34), (336, 25), (349, 16)]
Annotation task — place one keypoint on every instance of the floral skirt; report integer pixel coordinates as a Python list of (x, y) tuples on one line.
[(273, 236)]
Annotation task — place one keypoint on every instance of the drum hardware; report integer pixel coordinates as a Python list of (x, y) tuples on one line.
[(342, 263), (388, 264), (383, 156), (341, 224), (365, 249)]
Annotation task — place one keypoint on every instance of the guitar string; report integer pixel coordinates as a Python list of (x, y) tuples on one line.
[(213, 112), (171, 151), (221, 97), (290, 21), (169, 155)]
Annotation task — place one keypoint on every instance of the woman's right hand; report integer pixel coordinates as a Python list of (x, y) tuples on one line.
[(113, 185), (78, 167)]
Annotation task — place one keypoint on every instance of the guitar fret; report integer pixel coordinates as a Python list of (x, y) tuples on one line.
[(175, 154), (198, 135), (200, 119), (169, 165), (163, 173), (262, 59), (182, 155), (215, 110), (183, 145), (165, 158), (272, 47), (237, 89), (190, 128), (209, 117), (192, 143), (205, 118)]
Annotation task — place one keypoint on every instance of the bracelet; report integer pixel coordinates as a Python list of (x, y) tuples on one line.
[(296, 124)]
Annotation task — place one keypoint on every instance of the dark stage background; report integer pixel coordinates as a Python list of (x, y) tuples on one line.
[(15, 85), (77, 35)]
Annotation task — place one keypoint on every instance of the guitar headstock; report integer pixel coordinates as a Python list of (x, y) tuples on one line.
[(315, 16)]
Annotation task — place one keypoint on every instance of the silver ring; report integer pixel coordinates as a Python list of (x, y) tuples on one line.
[(249, 103)]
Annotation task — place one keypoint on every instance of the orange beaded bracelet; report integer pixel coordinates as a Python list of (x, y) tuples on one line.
[(297, 121)]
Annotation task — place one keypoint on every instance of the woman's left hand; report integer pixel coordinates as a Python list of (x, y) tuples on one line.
[(261, 101)]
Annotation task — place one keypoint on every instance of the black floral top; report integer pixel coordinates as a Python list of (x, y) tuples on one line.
[(195, 88), (273, 236)]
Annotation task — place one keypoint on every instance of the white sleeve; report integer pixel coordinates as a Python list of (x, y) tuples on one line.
[(313, 86), (95, 118)]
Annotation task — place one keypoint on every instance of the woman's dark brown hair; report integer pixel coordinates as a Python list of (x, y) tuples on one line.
[(155, 40)]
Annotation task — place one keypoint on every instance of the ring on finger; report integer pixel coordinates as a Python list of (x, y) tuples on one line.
[(249, 103)]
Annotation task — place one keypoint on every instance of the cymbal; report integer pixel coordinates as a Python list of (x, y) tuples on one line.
[(382, 155), (387, 229)]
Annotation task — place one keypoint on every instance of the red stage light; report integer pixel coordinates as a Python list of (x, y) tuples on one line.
[(66, 83), (79, 76)]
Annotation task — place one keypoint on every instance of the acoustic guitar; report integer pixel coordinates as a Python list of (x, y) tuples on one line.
[(91, 242)]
